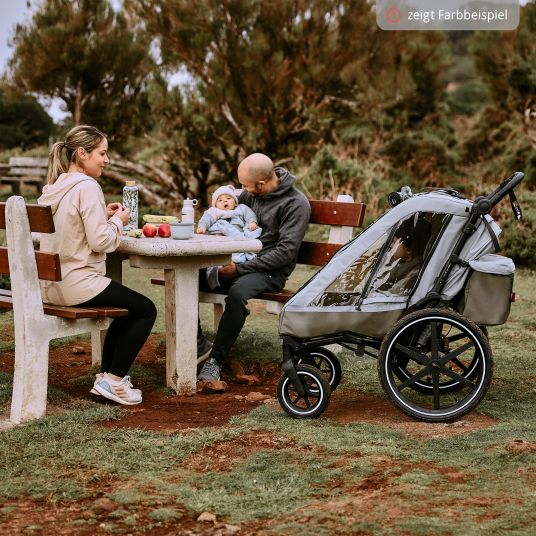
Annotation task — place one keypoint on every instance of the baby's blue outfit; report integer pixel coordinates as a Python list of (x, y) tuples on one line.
[(231, 223)]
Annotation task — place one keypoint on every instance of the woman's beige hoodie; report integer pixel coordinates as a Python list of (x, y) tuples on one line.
[(83, 236)]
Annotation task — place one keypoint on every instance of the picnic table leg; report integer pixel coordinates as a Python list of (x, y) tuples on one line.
[(181, 303), (114, 270)]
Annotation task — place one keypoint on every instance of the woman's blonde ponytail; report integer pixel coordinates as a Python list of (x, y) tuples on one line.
[(56, 166), (81, 137)]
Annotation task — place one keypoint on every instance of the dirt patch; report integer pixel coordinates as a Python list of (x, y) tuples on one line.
[(102, 516), (223, 456), (381, 500), (351, 406), (519, 446), (165, 412)]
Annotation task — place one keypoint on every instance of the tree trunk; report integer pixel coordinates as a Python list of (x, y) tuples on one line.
[(78, 104)]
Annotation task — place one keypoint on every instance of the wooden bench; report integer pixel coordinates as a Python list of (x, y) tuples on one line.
[(24, 170), (343, 216), (37, 323)]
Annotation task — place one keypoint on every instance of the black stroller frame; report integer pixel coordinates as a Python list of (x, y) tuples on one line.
[(433, 352)]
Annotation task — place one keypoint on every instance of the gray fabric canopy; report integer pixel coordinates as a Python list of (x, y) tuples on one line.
[(390, 266)]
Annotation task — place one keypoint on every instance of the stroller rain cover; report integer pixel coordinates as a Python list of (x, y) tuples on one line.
[(391, 265)]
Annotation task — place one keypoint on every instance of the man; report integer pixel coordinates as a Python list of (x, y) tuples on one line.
[(283, 214)]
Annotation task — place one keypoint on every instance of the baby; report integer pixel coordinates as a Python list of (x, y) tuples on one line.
[(226, 216), (229, 218)]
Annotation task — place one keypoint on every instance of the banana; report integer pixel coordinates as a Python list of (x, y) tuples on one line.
[(151, 218), (135, 233)]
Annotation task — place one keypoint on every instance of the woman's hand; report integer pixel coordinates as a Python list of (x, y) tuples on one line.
[(111, 209), (123, 214)]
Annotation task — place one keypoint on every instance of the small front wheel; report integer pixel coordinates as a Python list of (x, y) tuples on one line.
[(315, 399), (325, 361)]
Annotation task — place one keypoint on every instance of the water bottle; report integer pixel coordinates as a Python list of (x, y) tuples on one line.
[(130, 201), (188, 211)]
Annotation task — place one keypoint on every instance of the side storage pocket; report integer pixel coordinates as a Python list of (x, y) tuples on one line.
[(488, 290)]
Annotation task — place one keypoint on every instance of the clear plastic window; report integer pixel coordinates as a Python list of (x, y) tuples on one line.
[(348, 287), (399, 268), (396, 272)]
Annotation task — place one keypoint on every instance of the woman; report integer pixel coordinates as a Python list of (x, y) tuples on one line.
[(86, 230)]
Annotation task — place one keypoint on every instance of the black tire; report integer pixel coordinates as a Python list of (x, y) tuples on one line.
[(317, 395), (454, 389), (467, 369), (325, 361)]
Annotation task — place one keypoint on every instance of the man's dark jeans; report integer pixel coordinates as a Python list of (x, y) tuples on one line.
[(239, 291)]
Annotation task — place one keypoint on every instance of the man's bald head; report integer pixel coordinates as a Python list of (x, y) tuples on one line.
[(257, 175), (256, 167)]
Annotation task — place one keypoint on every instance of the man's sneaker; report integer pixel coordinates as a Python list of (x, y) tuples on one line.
[(203, 350), (98, 378), (210, 371), (119, 391)]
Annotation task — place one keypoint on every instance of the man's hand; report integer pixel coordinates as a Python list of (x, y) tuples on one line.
[(252, 226), (228, 271), (112, 208)]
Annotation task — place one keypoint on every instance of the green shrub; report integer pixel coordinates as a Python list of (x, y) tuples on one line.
[(5, 282), (519, 243), (329, 175), (468, 98), (530, 170), (423, 153)]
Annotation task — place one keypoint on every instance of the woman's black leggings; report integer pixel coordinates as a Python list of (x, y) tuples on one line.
[(127, 334)]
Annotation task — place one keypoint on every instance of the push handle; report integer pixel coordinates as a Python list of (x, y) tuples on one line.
[(484, 204)]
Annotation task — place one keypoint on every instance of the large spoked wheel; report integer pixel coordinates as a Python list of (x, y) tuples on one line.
[(435, 365), (326, 362), (466, 367), (316, 398)]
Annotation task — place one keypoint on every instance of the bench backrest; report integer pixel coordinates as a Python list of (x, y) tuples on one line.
[(19, 259), (335, 213), (26, 166)]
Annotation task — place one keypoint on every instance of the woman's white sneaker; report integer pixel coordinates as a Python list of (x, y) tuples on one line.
[(119, 391), (98, 378)]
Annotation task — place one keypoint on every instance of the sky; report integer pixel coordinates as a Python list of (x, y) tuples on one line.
[(15, 11)]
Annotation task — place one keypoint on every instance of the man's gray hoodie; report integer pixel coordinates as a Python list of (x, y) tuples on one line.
[(283, 215)]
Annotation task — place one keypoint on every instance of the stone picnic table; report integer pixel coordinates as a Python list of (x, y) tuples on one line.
[(181, 261)]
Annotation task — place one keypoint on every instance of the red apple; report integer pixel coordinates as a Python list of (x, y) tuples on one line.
[(164, 230), (149, 230)]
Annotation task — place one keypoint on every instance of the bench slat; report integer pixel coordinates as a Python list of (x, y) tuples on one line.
[(283, 296), (28, 161), (48, 264), (26, 171), (40, 216), (337, 213), (17, 179), (111, 312), (6, 302), (316, 253)]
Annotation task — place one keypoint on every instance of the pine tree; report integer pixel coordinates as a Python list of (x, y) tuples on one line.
[(282, 77), (91, 57)]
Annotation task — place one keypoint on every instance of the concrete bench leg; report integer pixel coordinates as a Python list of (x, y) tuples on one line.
[(97, 342), (30, 380)]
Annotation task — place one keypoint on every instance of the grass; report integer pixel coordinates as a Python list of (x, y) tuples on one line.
[(318, 476)]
